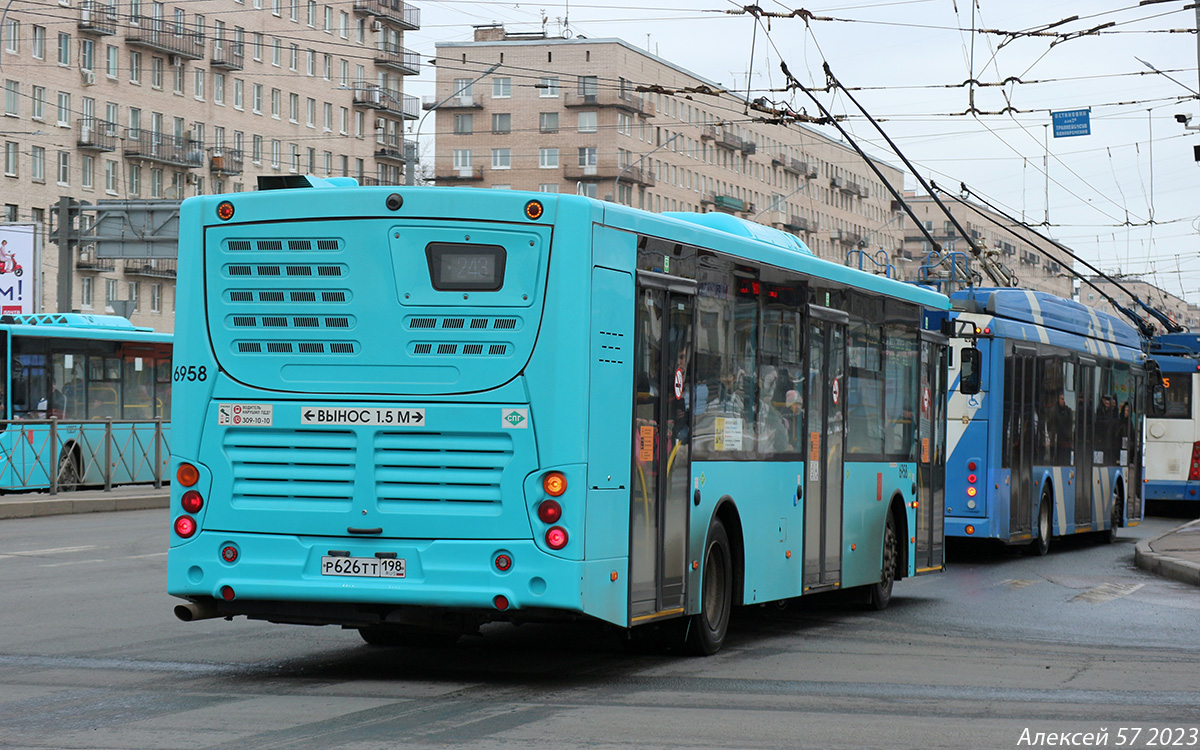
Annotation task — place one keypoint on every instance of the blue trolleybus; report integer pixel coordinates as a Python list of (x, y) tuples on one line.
[(1045, 419), (1173, 437), (411, 411), (86, 401)]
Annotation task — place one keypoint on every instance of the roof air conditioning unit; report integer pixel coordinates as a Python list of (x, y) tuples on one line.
[(175, 61), (376, 26)]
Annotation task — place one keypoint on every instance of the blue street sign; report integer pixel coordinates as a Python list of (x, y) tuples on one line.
[(1071, 122)]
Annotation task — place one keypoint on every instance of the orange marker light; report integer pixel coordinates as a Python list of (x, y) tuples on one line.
[(224, 210), (971, 492), (534, 210), (554, 483), (187, 475), (970, 529)]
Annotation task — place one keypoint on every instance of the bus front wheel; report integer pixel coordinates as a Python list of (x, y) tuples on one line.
[(1118, 509), (707, 630), (879, 595), (1041, 545)]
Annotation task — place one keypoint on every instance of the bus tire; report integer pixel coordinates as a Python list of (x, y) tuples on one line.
[(393, 636), (70, 473), (1114, 522), (707, 629), (1041, 545), (879, 594)]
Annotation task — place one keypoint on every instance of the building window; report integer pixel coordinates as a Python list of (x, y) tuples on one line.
[(219, 88), (501, 158), (135, 67), (87, 54), (624, 124), (464, 124), (501, 123), (64, 49), (10, 158), (587, 156), (12, 36), (38, 103), (37, 164), (85, 292), (548, 187), (587, 122), (110, 294), (588, 86), (134, 183), (239, 94), (462, 158), (548, 122), (135, 295), (64, 168), (156, 298), (87, 171), (294, 107), (548, 158), (548, 87), (39, 42), (256, 98), (501, 88), (110, 177), (12, 97), (64, 109)]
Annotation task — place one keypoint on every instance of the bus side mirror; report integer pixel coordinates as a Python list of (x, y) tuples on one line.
[(1158, 400), (969, 371)]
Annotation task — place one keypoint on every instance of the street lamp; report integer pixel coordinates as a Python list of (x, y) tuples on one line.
[(617, 181), (410, 176)]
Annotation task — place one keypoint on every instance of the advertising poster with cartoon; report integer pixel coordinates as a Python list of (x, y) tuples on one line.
[(17, 253)]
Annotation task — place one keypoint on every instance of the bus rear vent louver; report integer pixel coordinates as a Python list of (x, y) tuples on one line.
[(458, 323), (294, 295), (468, 349), (295, 347), (284, 270), (292, 321), (281, 245)]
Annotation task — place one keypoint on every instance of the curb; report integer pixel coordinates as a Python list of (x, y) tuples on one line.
[(1166, 566), (34, 506)]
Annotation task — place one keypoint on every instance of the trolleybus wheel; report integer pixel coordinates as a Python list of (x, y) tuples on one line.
[(407, 635), (1041, 545), (70, 475), (707, 630), (879, 594), (1114, 523)]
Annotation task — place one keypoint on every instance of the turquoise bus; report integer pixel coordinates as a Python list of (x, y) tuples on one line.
[(414, 410), (1046, 416), (86, 402)]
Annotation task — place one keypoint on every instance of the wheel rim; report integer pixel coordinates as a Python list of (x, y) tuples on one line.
[(1044, 523), (714, 587)]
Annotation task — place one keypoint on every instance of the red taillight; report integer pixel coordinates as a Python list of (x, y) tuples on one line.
[(229, 553), (549, 511), (1194, 472), (500, 602), (227, 593), (187, 475), (185, 526), (971, 466), (503, 563), (556, 537), (971, 478), (192, 501)]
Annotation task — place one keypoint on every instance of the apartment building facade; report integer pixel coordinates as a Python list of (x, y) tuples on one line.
[(603, 118), (157, 100), (1020, 251)]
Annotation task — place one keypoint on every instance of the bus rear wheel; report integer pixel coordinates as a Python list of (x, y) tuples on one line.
[(1118, 512), (706, 631), (1041, 545), (879, 594), (70, 473)]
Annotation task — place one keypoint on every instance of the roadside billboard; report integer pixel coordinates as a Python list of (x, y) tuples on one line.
[(19, 254)]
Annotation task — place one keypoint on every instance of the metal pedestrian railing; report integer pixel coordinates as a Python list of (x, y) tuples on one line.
[(56, 454)]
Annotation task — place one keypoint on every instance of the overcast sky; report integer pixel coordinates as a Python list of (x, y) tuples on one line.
[(1125, 197)]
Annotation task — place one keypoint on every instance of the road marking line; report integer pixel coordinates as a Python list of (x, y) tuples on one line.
[(1016, 583), (50, 551), (1106, 592)]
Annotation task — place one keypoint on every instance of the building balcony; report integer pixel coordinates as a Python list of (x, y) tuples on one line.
[(163, 149), (794, 223), (729, 141), (593, 172), (371, 96), (96, 135), (395, 148), (228, 55), (455, 102), (727, 204), (639, 176), (97, 18), (398, 13), (460, 174), (159, 268), (178, 39), (402, 60), (88, 261), (226, 162), (609, 98), (847, 237)]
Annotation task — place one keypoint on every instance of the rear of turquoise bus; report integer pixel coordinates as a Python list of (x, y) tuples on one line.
[(365, 432)]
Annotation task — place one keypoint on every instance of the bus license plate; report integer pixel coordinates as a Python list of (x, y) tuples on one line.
[(364, 567)]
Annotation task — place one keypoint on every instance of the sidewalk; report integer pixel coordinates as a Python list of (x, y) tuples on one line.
[(1175, 554), (129, 497)]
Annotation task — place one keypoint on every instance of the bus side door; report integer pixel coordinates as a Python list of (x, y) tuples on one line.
[(823, 485), (931, 459)]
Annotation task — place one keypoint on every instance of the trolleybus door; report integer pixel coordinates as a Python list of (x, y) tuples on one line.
[(1021, 386), (931, 455), (823, 470), (663, 364), (1086, 443)]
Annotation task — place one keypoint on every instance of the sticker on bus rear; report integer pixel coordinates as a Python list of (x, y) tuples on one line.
[(342, 415), (514, 419), (245, 415)]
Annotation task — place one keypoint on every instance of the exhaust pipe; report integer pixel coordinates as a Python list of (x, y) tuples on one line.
[(193, 611)]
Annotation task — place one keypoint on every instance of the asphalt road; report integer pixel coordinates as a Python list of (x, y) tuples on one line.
[(1078, 642)]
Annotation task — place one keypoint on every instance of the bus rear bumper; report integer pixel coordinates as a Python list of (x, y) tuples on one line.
[(280, 578), (957, 526), (1168, 490)]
